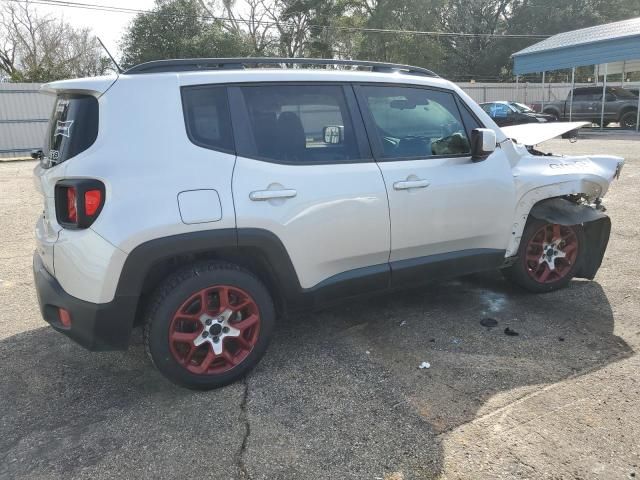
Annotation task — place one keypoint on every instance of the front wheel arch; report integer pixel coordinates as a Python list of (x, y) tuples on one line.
[(626, 112)]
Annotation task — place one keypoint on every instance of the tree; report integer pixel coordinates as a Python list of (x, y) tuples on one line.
[(179, 29), (252, 20), (409, 15), (35, 48)]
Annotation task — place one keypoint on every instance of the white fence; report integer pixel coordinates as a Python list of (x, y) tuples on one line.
[(526, 92)]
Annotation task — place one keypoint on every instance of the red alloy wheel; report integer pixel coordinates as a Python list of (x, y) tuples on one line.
[(551, 253), (214, 330)]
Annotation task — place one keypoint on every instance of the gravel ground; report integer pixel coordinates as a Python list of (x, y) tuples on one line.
[(339, 394)]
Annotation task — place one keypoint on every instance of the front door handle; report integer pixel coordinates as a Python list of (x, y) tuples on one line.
[(407, 184), (261, 195)]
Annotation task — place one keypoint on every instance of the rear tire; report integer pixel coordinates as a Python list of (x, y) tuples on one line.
[(208, 325), (548, 257), (628, 120)]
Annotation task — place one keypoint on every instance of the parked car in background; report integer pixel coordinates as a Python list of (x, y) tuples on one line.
[(513, 113), (635, 91), (620, 106)]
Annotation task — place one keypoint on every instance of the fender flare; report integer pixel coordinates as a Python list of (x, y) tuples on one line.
[(230, 242), (123, 310), (596, 225), (625, 110)]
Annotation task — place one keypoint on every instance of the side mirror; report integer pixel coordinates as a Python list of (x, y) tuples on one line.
[(37, 154), (333, 134), (483, 143)]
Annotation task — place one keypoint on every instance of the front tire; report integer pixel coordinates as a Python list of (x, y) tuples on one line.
[(208, 325), (548, 256), (628, 120)]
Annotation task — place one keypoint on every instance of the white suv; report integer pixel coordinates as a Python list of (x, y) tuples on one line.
[(202, 199)]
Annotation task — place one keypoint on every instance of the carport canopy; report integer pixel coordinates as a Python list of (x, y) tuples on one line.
[(602, 44)]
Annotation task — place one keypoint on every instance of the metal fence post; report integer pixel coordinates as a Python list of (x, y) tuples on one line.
[(604, 94), (573, 86), (542, 103)]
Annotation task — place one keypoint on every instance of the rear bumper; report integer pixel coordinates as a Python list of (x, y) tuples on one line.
[(95, 326)]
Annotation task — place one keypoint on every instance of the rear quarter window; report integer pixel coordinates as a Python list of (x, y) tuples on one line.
[(207, 117), (73, 127)]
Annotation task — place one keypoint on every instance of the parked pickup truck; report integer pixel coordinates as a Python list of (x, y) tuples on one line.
[(620, 106)]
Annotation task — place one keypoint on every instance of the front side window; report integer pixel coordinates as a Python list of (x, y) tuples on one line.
[(300, 123), (73, 128), (415, 122), (207, 118)]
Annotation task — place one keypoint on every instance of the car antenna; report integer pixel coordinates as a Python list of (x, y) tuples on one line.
[(118, 69)]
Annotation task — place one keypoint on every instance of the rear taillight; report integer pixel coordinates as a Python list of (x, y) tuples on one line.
[(78, 202), (92, 201), (72, 205)]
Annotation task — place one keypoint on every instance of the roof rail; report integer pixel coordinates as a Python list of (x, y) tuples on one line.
[(195, 64)]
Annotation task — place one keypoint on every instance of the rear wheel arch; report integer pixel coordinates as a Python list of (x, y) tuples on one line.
[(626, 110), (255, 250), (630, 112)]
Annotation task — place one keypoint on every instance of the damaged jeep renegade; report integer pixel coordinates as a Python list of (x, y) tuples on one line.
[(200, 199)]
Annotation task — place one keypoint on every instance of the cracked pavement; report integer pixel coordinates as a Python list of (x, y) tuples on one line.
[(339, 393)]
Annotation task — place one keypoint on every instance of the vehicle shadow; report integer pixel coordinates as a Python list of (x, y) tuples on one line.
[(338, 395)]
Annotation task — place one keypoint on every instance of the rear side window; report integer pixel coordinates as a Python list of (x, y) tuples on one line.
[(415, 122), (587, 95), (72, 129), (300, 123), (207, 118)]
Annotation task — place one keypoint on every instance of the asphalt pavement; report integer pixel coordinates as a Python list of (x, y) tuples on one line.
[(339, 394)]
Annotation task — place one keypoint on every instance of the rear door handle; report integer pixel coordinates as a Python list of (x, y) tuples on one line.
[(261, 195), (407, 184)]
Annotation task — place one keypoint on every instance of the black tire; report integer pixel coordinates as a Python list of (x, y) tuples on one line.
[(628, 120), (553, 113), (169, 297), (518, 273)]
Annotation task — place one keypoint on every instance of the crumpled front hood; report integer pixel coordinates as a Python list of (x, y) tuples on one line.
[(530, 134), (534, 171)]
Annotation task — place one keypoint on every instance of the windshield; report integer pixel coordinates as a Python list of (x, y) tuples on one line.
[(73, 128), (520, 107)]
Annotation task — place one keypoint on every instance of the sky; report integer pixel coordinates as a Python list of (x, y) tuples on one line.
[(109, 26)]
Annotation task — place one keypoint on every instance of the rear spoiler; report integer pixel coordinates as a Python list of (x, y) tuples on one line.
[(95, 86)]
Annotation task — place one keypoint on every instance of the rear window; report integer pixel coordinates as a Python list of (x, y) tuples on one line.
[(207, 118), (300, 124), (72, 129)]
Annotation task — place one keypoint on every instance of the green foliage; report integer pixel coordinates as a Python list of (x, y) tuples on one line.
[(324, 28), (408, 15), (178, 29)]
